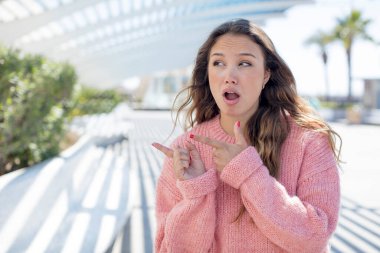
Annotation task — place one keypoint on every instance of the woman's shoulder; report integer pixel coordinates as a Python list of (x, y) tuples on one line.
[(311, 141), (304, 133), (307, 140), (313, 147)]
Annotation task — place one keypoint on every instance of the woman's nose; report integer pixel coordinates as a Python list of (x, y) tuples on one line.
[(230, 81), (230, 77)]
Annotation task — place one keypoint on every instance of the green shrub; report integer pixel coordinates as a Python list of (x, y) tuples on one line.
[(93, 101), (35, 98)]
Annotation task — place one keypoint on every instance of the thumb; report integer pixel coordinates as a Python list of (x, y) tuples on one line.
[(239, 136), (194, 154)]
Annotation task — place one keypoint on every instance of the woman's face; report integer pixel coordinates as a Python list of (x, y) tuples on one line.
[(237, 75)]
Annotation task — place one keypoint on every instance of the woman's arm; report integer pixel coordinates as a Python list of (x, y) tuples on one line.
[(301, 223), (185, 211)]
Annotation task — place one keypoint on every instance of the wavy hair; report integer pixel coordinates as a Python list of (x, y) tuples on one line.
[(278, 100)]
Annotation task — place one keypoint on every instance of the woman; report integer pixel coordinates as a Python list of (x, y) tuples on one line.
[(257, 172)]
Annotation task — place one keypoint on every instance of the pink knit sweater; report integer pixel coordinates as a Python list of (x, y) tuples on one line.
[(298, 212)]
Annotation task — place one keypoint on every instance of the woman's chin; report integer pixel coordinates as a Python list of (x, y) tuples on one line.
[(235, 113), (230, 113)]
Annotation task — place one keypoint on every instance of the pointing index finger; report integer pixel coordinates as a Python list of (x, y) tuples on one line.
[(206, 140), (167, 151)]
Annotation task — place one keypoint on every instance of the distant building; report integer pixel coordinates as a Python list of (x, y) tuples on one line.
[(371, 96), (158, 92)]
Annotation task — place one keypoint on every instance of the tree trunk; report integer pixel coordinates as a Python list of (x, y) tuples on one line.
[(327, 94), (348, 52)]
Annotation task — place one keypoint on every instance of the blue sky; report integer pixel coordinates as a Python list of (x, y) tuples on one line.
[(299, 23)]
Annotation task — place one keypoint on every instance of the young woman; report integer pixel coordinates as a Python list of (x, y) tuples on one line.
[(257, 171)]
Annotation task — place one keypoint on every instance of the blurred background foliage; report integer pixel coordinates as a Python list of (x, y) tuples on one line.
[(89, 100), (347, 30), (38, 97)]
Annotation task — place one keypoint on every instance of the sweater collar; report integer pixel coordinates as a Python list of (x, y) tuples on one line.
[(217, 132)]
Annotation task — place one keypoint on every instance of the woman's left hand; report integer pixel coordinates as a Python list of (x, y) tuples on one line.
[(224, 152)]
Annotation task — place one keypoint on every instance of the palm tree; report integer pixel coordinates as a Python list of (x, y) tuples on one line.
[(322, 39), (347, 30)]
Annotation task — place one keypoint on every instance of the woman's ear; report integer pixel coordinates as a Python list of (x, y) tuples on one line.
[(266, 77)]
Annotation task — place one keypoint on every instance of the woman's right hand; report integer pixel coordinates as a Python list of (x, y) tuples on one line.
[(187, 161)]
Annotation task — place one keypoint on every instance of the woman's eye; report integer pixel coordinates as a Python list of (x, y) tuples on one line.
[(244, 63), (217, 63)]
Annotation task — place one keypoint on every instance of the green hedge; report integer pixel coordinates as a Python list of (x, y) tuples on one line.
[(93, 101), (35, 98)]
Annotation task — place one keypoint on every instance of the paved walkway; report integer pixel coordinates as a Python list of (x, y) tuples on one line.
[(81, 200), (359, 223)]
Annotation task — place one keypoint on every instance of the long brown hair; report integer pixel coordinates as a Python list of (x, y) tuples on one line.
[(278, 99)]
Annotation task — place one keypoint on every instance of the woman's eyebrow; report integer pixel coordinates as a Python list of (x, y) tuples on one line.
[(242, 54), (248, 54), (217, 54)]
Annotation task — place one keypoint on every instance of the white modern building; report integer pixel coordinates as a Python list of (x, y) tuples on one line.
[(371, 96)]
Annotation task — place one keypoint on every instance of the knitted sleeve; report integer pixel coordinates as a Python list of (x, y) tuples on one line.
[(301, 223), (185, 211)]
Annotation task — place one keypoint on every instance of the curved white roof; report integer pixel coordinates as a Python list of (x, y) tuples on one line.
[(111, 40)]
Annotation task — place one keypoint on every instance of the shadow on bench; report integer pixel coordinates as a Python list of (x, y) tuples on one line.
[(76, 202)]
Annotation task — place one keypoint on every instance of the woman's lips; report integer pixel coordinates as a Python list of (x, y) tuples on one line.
[(231, 97)]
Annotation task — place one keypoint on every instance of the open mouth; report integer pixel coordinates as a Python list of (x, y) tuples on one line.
[(231, 95)]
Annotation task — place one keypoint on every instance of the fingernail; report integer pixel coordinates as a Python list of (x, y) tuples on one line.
[(192, 136), (238, 124)]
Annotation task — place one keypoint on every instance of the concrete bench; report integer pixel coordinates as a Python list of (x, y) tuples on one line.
[(75, 202), (139, 231)]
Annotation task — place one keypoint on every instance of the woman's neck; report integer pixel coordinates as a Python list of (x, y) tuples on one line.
[(227, 123)]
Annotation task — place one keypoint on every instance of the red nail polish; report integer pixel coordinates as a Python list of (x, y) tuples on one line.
[(192, 136), (238, 123)]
